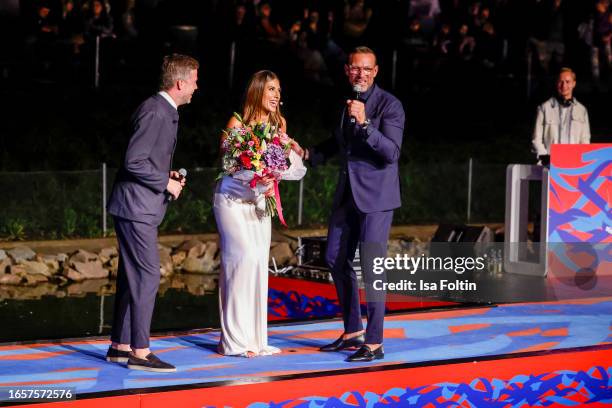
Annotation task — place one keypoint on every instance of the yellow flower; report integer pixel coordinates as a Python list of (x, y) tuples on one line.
[(256, 163), (257, 156)]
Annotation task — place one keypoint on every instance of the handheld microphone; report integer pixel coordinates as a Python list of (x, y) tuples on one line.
[(357, 96), (182, 174)]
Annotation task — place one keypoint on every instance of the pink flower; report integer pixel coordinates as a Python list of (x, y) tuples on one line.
[(284, 138), (250, 153), (276, 141), (237, 144), (251, 143)]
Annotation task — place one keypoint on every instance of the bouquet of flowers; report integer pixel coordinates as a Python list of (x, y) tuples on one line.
[(252, 153)]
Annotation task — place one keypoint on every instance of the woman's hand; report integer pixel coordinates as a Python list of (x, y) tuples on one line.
[(267, 181), (270, 191)]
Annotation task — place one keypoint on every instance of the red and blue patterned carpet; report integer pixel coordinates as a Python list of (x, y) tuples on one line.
[(409, 338)]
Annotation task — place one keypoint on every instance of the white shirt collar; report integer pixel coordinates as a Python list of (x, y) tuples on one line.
[(168, 98)]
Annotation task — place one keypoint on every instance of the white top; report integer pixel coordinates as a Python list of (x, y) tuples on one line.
[(565, 113), (168, 98)]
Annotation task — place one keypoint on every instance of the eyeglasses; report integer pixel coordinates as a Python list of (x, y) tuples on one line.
[(358, 70)]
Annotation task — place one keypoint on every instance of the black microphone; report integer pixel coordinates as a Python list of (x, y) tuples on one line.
[(357, 96), (182, 174)]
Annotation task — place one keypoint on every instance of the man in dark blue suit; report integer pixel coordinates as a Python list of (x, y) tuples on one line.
[(143, 187), (368, 139)]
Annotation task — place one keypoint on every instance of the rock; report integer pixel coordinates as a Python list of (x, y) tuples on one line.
[(91, 270), (17, 270), (87, 286), (82, 256), (195, 284), (106, 254), (5, 265), (73, 275), (206, 264), (50, 261), (163, 248), (114, 267), (3, 255), (187, 245), (178, 258), (33, 280), (196, 251), (193, 265), (61, 280), (21, 253), (210, 283), (394, 247), (62, 258), (210, 259), (9, 279), (211, 251), (165, 261), (177, 283), (28, 292), (36, 268), (281, 253), (109, 252)]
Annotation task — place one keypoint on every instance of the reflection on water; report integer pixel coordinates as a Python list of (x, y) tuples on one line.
[(48, 311)]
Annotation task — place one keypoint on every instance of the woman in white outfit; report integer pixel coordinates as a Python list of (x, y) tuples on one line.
[(245, 233)]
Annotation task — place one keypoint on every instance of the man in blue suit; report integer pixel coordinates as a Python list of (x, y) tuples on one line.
[(368, 139), (143, 187)]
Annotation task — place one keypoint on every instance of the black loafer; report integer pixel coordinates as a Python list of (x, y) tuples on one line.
[(366, 354), (117, 356), (151, 363), (344, 344)]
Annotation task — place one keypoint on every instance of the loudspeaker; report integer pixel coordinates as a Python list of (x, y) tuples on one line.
[(459, 240), (312, 252), (462, 233)]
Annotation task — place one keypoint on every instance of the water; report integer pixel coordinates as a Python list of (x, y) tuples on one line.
[(86, 309)]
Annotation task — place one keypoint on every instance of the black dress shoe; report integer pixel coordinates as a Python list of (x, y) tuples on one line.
[(366, 354), (150, 363), (343, 344), (117, 356)]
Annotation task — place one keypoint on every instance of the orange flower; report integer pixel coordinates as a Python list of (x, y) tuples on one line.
[(256, 141)]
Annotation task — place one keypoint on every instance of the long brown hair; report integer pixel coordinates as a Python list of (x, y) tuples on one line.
[(254, 96)]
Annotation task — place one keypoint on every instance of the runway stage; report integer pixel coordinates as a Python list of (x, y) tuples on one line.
[(534, 354)]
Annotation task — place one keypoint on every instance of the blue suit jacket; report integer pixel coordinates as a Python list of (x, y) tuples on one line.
[(369, 157), (139, 193)]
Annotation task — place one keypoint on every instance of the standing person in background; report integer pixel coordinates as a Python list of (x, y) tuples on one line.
[(561, 119), (144, 186)]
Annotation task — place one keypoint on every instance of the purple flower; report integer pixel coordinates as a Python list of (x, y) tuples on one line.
[(275, 159)]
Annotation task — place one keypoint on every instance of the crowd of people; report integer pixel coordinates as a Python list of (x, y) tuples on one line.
[(314, 35)]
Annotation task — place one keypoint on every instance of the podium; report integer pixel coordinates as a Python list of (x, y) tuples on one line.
[(576, 214)]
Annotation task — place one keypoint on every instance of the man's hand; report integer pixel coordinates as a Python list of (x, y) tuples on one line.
[(174, 187), (356, 109), (175, 175), (297, 148)]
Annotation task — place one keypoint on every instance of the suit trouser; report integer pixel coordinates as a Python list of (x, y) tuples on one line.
[(137, 282), (348, 228)]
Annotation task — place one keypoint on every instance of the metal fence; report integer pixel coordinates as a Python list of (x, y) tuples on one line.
[(53, 205)]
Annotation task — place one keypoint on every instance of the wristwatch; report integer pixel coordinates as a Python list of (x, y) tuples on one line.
[(366, 123)]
